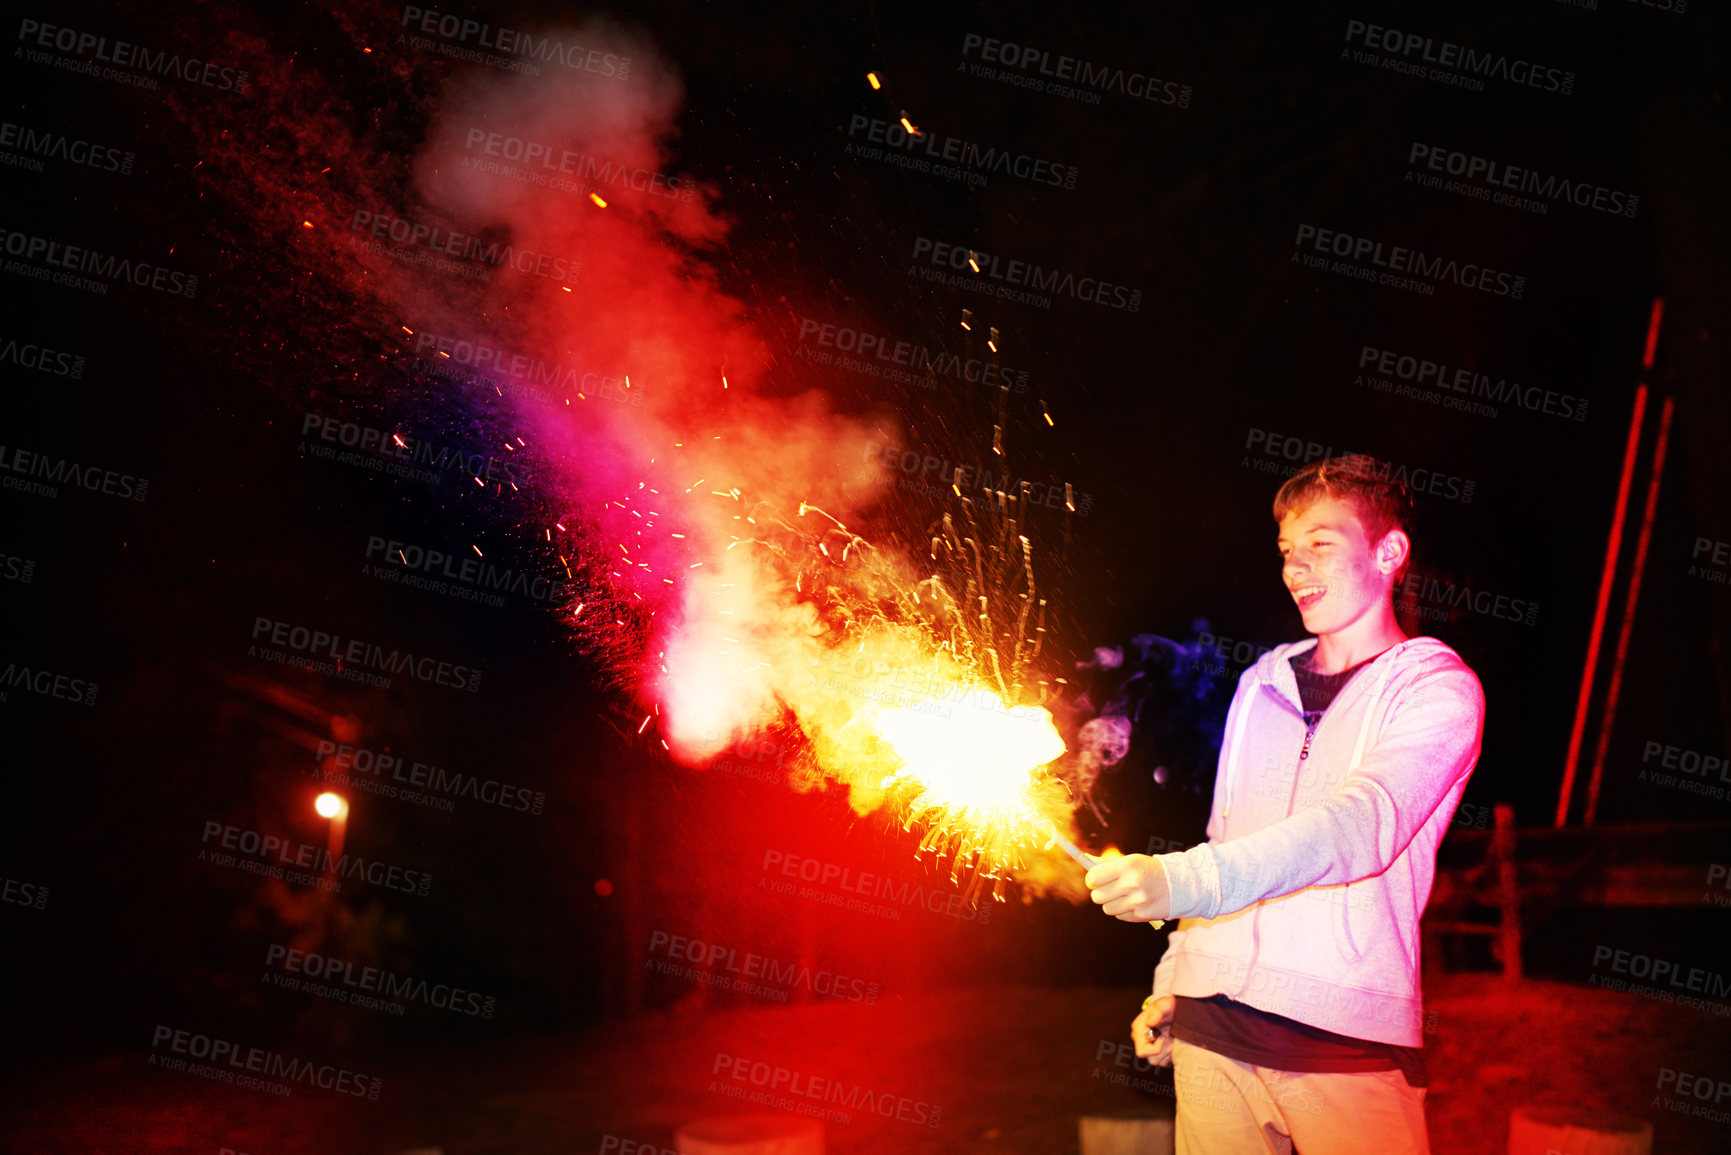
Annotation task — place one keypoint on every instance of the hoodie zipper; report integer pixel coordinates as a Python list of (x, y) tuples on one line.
[(1303, 755), (1298, 770)]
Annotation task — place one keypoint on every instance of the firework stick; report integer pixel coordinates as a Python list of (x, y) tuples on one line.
[(1088, 862)]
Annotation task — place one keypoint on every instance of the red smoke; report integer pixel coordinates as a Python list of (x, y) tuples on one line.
[(544, 216)]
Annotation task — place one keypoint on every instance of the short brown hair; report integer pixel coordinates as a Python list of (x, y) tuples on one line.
[(1381, 500)]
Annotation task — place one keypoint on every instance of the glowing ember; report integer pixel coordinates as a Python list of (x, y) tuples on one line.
[(970, 773), (978, 764)]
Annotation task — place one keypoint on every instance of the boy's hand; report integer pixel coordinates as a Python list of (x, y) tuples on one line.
[(1152, 1031), (1132, 888)]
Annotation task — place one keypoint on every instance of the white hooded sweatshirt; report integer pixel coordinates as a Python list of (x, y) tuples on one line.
[(1305, 900)]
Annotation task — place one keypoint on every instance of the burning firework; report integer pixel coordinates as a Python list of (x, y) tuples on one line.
[(710, 571), (916, 688)]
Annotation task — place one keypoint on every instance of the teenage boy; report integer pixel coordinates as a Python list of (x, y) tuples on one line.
[(1288, 998)]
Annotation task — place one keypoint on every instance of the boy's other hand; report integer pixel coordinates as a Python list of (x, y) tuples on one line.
[(1152, 1031), (1132, 888)]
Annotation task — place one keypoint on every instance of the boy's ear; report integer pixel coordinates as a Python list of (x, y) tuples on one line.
[(1392, 551)]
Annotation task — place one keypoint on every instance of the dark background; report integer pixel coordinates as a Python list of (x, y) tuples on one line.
[(1195, 206)]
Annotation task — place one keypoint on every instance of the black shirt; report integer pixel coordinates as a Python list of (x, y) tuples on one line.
[(1251, 1035)]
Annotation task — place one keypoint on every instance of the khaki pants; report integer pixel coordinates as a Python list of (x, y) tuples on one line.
[(1226, 1107)]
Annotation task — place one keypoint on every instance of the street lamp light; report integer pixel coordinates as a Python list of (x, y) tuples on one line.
[(336, 808)]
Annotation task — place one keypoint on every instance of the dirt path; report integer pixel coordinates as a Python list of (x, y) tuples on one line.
[(966, 1071)]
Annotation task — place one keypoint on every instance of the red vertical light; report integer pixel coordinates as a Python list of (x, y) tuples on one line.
[(1612, 550), (1627, 627), (1608, 577)]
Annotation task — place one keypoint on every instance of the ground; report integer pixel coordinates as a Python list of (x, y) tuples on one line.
[(977, 1070)]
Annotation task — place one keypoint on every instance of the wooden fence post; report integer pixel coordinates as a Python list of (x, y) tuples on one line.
[(1509, 893)]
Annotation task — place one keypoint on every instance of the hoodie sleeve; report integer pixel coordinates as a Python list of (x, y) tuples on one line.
[(1429, 742), (1168, 964)]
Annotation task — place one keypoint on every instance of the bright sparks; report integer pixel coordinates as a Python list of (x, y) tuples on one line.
[(972, 776), (977, 762), (914, 687)]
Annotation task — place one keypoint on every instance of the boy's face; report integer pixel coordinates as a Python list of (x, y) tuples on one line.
[(1335, 574)]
